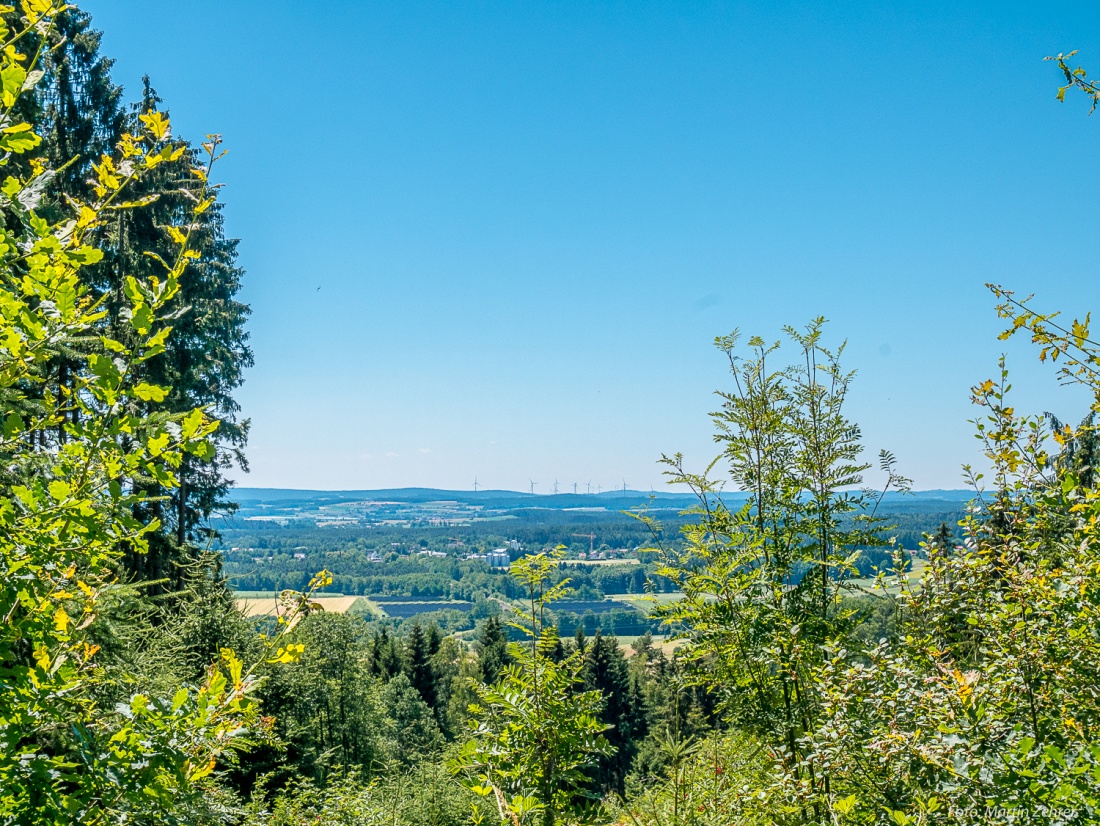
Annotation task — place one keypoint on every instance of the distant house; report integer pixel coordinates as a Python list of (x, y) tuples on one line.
[(499, 558), (299, 556)]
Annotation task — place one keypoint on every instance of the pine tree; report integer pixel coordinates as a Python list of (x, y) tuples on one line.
[(943, 540), (418, 664), (435, 639), (605, 670), (492, 650), (385, 658), (79, 107)]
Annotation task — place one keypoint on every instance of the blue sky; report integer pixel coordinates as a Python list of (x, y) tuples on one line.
[(496, 239)]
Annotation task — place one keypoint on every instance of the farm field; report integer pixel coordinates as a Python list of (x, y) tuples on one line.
[(261, 606), (647, 602), (261, 603), (596, 606), (664, 644), (868, 583)]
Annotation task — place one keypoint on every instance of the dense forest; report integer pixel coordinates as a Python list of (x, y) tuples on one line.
[(813, 672)]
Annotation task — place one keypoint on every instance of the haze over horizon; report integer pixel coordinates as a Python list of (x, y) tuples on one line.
[(501, 245)]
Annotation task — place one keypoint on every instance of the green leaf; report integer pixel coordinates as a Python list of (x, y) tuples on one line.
[(150, 392), (59, 489), (17, 140), (142, 319), (179, 699), (158, 443)]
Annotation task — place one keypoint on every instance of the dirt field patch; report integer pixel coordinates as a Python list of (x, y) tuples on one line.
[(265, 606)]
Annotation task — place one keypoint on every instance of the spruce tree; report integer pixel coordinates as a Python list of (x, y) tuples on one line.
[(435, 639), (492, 650), (78, 107), (79, 112), (203, 361), (385, 658), (418, 664), (605, 670)]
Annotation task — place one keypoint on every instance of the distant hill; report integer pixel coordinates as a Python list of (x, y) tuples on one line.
[(510, 499), (506, 499)]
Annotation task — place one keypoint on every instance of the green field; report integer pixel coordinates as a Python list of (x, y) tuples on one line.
[(647, 602), (868, 583)]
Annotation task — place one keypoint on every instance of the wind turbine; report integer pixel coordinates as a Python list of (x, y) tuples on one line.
[(555, 487), (475, 484), (533, 483), (589, 487), (624, 487), (574, 488)]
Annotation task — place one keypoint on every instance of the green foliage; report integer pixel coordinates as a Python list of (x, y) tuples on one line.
[(971, 698), (72, 457), (966, 696), (424, 796), (710, 782), (604, 669), (762, 585), (78, 111), (418, 665), (534, 733), (76, 455), (415, 733), (1076, 79), (492, 650), (327, 710), (985, 711)]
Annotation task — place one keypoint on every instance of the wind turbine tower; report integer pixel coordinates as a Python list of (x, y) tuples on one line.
[(533, 483), (555, 487), (475, 484)]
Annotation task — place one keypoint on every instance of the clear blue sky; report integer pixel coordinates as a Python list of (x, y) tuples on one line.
[(528, 221)]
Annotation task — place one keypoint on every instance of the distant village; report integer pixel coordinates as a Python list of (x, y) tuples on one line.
[(500, 557)]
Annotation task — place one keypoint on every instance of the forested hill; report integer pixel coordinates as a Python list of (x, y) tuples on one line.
[(249, 498), (495, 499)]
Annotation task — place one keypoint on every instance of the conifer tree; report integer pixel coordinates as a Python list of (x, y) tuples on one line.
[(385, 657), (492, 650), (435, 639), (605, 670), (418, 664), (78, 110)]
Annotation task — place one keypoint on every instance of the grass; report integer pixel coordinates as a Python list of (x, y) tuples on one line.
[(868, 583), (646, 602)]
